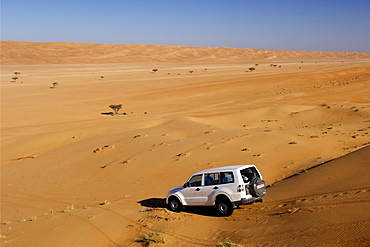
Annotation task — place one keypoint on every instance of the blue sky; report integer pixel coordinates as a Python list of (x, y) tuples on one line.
[(313, 25)]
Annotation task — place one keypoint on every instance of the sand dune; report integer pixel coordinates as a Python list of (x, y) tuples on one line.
[(74, 175), (14, 52)]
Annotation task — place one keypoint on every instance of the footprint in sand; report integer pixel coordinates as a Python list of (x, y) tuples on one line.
[(97, 150), (180, 156)]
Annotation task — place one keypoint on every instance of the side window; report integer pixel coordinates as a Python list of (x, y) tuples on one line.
[(195, 181), (211, 178), (227, 177)]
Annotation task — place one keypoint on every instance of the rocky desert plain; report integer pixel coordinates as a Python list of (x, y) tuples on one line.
[(74, 174)]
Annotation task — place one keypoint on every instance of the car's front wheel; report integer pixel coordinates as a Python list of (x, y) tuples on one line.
[(224, 207), (174, 204)]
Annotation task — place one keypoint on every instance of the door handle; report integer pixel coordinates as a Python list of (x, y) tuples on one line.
[(197, 189), (215, 188)]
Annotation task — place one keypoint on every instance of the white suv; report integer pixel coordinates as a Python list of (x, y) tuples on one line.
[(225, 187)]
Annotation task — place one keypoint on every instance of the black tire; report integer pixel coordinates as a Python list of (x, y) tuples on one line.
[(174, 204), (257, 187), (224, 207)]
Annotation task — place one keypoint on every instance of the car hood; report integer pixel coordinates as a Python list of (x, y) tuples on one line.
[(174, 190)]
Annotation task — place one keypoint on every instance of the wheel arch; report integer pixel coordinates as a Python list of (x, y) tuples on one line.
[(177, 197), (220, 196)]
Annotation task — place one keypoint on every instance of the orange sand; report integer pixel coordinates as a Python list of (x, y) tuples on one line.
[(61, 158)]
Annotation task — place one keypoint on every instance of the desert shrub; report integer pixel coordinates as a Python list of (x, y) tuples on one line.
[(15, 77), (105, 202), (154, 70), (116, 108), (251, 69), (55, 84), (228, 243), (155, 237)]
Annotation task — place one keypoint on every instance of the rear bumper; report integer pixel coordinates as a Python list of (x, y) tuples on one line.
[(245, 201)]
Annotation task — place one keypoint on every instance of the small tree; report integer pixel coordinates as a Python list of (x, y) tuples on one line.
[(251, 69), (14, 78), (54, 84), (191, 71), (154, 70), (116, 108)]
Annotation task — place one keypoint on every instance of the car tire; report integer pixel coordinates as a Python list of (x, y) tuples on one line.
[(174, 204), (224, 207), (254, 187)]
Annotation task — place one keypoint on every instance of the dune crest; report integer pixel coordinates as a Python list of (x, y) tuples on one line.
[(14, 52)]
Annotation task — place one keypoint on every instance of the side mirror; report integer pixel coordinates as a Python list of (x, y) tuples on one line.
[(186, 185)]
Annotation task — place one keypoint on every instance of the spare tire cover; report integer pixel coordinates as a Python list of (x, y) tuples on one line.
[(257, 187)]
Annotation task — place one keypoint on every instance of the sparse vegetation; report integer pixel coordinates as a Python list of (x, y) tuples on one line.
[(54, 84), (293, 210), (252, 69), (105, 202), (33, 218), (154, 237), (16, 76), (116, 108), (154, 70), (228, 243), (69, 208)]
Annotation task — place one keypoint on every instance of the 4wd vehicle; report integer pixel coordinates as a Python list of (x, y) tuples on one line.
[(225, 187)]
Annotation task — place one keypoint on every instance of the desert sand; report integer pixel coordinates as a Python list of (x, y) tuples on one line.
[(72, 174)]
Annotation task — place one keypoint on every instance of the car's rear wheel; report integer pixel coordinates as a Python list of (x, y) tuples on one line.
[(174, 204), (224, 207)]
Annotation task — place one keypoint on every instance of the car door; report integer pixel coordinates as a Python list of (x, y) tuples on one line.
[(193, 191), (211, 186)]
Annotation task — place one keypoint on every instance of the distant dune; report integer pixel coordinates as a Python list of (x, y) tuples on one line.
[(13, 52)]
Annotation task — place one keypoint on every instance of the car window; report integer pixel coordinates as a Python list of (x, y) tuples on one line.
[(248, 174), (227, 177), (211, 178), (195, 181)]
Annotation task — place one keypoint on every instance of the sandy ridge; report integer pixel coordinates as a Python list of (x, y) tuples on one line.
[(14, 52)]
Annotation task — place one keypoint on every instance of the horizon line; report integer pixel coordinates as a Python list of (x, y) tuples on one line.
[(228, 47)]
